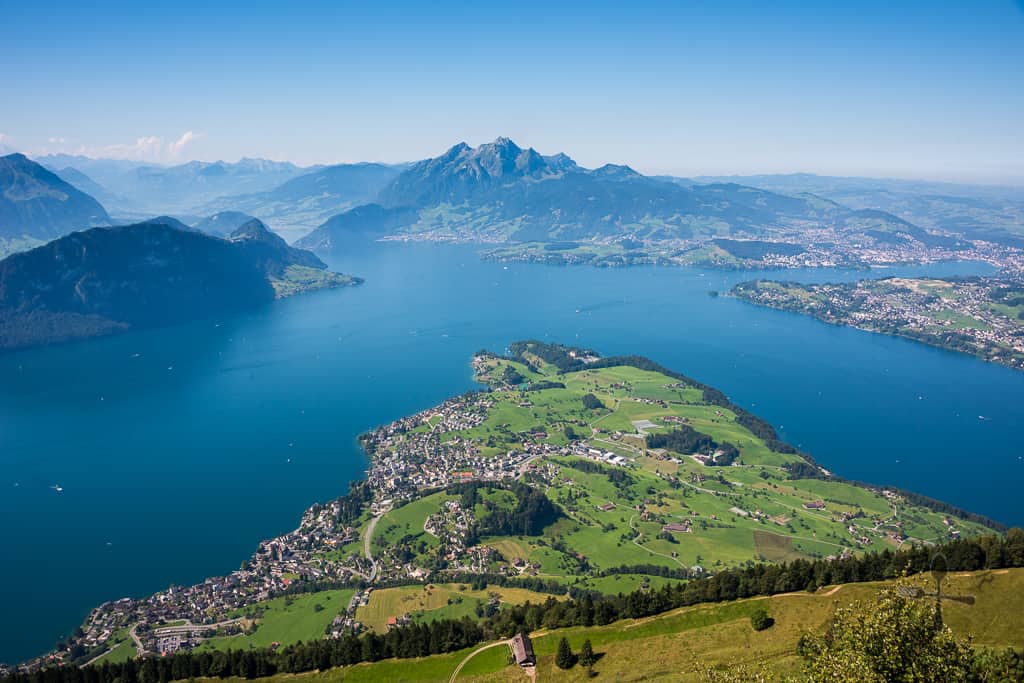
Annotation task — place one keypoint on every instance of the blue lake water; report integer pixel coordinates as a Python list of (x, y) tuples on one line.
[(175, 462)]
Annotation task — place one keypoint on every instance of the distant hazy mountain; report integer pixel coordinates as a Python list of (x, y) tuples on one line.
[(223, 223), (306, 201), (615, 172), (87, 185), (356, 227), (976, 211), (501, 192), (160, 272), (36, 204), (149, 188)]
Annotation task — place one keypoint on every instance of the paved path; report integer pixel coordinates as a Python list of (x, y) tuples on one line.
[(138, 643), (188, 627), (472, 654), (104, 653), (366, 546)]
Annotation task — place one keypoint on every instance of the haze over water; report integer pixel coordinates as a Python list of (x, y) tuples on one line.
[(176, 461)]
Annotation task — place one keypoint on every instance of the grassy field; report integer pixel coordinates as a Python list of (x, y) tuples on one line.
[(121, 652), (681, 645), (408, 520), (774, 547), (286, 620), (436, 601), (300, 279)]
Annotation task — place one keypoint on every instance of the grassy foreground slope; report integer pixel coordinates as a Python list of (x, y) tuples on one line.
[(682, 644)]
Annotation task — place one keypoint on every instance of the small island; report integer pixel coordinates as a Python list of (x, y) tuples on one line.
[(566, 473), (981, 316)]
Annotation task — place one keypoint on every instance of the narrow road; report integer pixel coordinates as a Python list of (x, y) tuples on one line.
[(366, 546), (474, 653), (188, 627), (637, 543), (104, 653), (138, 643), (614, 410)]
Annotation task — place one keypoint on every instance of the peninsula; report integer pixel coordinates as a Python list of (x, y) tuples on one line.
[(567, 473), (983, 317), (821, 247)]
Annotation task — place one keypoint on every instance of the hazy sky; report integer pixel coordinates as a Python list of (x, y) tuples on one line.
[(932, 89)]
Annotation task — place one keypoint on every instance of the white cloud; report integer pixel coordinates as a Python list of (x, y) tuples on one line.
[(176, 146), (151, 148), (57, 141)]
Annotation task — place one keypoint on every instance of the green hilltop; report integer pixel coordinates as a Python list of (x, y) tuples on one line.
[(660, 474)]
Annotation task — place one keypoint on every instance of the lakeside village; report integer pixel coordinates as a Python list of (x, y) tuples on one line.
[(183, 616), (808, 246), (929, 310), (408, 459), (858, 250)]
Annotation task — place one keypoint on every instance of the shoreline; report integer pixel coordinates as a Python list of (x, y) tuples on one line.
[(332, 523), (755, 293)]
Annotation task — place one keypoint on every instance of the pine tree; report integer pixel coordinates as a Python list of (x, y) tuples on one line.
[(564, 659), (587, 658)]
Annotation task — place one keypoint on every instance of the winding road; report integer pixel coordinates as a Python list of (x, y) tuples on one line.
[(474, 653), (638, 544)]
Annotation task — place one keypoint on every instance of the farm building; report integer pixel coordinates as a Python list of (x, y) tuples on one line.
[(522, 651)]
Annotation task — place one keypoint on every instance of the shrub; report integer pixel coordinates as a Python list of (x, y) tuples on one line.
[(761, 620)]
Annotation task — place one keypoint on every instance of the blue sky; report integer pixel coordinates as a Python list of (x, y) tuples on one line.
[(904, 89)]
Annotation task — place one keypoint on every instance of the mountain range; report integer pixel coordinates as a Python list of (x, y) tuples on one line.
[(135, 189), (155, 273), (500, 192), (290, 198), (304, 202), (994, 213), (223, 223), (36, 205)]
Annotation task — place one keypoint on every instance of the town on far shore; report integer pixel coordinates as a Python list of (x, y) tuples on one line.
[(980, 316)]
